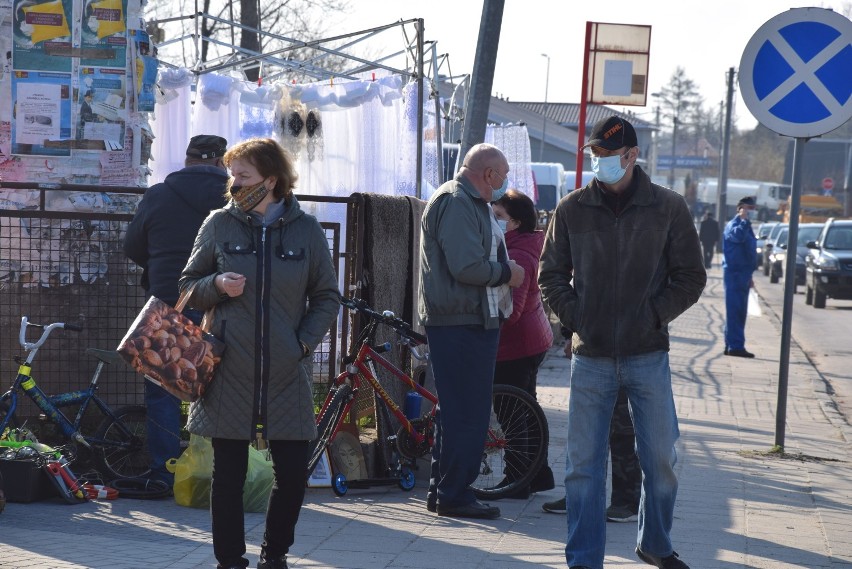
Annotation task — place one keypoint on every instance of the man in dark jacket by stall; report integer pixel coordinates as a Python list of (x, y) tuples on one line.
[(159, 239), (708, 234)]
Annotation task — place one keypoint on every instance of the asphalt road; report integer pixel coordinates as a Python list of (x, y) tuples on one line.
[(824, 335)]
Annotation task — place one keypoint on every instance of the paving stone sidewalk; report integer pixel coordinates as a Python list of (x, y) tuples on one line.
[(738, 506)]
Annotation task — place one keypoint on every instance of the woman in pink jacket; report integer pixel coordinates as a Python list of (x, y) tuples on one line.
[(526, 336)]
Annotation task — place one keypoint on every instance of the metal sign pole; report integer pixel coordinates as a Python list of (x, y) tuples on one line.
[(789, 291), (785, 81)]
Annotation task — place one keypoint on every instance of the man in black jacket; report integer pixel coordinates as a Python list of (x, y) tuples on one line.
[(708, 234), (621, 260), (159, 239)]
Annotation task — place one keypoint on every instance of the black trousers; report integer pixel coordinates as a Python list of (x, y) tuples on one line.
[(523, 373), (708, 254), (230, 462), (626, 474)]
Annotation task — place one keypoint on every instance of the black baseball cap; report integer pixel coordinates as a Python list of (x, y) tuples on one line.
[(207, 146), (748, 200), (612, 133)]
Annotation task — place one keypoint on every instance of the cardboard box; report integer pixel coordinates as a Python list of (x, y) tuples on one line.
[(24, 481)]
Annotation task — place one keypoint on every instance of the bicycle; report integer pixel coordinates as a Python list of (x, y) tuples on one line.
[(118, 444), (517, 439)]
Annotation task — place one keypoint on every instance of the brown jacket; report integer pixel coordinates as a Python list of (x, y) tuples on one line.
[(618, 281)]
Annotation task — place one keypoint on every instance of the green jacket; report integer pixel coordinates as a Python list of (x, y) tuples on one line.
[(290, 295), (617, 282), (455, 265)]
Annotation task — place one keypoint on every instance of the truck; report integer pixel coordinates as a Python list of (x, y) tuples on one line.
[(768, 196), (813, 209)]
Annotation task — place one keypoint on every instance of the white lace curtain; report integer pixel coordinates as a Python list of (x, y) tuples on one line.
[(357, 136)]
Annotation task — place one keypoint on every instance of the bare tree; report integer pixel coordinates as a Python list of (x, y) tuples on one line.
[(679, 100)]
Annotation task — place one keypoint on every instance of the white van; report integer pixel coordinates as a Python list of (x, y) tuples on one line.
[(550, 183), (568, 180)]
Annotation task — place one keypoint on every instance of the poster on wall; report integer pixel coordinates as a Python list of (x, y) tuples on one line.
[(41, 122), (144, 69), (103, 28), (102, 109), (41, 29), (5, 45)]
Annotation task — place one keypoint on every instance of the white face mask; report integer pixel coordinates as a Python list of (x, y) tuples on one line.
[(608, 169), (752, 214)]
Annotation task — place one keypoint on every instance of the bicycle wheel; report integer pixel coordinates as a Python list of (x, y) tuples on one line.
[(327, 423), (121, 450), (516, 445), (386, 426)]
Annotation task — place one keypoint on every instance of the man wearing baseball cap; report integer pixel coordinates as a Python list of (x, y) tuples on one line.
[(159, 239), (738, 263), (621, 260)]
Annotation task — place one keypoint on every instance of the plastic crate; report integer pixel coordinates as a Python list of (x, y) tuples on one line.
[(24, 481)]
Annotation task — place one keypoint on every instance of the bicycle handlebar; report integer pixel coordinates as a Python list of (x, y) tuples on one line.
[(47, 329), (402, 327)]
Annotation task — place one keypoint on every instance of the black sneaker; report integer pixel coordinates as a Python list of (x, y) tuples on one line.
[(279, 562), (555, 507), (620, 514), (671, 562)]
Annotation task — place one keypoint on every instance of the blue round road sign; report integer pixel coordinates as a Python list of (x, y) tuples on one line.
[(796, 72)]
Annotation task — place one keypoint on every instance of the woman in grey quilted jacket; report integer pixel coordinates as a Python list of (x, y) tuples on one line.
[(265, 266)]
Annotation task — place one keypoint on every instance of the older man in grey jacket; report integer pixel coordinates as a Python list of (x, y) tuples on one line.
[(464, 296)]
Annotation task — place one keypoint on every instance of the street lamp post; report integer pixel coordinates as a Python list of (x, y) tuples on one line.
[(544, 122), (674, 149)]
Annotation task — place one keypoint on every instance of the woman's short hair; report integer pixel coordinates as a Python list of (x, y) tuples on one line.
[(521, 208), (271, 161)]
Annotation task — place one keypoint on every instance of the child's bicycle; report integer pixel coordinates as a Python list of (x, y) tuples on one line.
[(516, 444), (118, 446)]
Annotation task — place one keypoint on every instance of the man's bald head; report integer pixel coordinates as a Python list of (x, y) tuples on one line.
[(482, 156), (485, 166)]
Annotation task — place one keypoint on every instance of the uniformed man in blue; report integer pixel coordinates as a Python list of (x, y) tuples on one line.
[(738, 264)]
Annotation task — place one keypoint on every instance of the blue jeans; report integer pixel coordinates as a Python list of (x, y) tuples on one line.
[(163, 429), (594, 390)]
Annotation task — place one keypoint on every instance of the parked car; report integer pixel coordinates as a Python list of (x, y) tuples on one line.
[(778, 257), (762, 233), (828, 267), (769, 243)]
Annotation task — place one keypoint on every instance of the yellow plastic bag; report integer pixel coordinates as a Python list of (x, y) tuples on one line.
[(193, 472), (194, 469)]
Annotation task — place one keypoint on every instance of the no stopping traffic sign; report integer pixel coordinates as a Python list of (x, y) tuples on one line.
[(795, 72)]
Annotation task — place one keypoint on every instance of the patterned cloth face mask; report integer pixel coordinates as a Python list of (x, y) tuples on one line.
[(247, 197)]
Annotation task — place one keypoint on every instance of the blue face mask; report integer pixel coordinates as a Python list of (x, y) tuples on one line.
[(608, 169), (752, 214), (502, 223), (501, 191)]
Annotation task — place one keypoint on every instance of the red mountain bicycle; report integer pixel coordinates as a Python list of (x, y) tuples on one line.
[(517, 437)]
